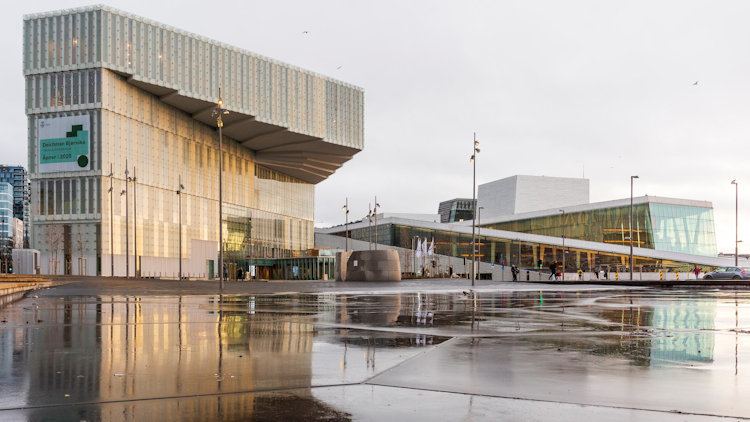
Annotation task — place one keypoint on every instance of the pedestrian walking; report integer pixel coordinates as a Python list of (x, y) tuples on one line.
[(514, 272), (552, 270), (696, 271), (606, 277), (580, 274)]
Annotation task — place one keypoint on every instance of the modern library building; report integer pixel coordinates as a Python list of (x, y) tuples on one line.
[(123, 146)]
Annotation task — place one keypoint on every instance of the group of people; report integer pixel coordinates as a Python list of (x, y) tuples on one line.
[(599, 273)]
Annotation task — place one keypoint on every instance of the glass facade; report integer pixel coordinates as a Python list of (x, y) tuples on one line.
[(663, 227), (143, 87), (6, 224), (272, 92), (683, 229), (458, 209), (19, 179), (6, 211), (503, 251)]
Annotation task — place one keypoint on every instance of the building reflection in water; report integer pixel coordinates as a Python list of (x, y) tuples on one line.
[(113, 349), (197, 349), (689, 332), (645, 332)]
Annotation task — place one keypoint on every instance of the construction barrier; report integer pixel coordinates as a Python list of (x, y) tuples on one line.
[(617, 276), (678, 276), (661, 275)]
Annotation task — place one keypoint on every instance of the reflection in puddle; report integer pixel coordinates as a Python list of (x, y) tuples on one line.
[(106, 349), (58, 351)]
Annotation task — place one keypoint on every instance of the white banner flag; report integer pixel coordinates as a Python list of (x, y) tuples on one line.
[(419, 248), (431, 251)]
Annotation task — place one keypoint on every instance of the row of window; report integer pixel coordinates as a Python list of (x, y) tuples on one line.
[(64, 89), (58, 41), (69, 196)]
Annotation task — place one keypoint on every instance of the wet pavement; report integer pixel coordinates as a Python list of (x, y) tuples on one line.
[(439, 352)]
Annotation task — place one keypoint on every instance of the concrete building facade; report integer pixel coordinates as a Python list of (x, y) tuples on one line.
[(520, 194), (120, 114)]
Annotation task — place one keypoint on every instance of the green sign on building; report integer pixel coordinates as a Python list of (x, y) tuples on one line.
[(64, 144)]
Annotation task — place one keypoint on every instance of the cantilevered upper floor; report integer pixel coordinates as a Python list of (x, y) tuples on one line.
[(298, 122)]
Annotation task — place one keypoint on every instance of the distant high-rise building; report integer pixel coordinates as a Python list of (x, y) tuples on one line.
[(6, 224), (18, 178)]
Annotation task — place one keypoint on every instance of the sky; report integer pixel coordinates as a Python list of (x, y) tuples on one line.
[(596, 89)]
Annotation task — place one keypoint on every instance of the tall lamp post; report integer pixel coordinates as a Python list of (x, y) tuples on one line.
[(563, 244), (250, 246), (736, 220), (473, 159), (111, 224), (127, 221), (217, 112), (180, 188), (375, 214), (135, 226), (369, 226), (345, 208), (630, 224)]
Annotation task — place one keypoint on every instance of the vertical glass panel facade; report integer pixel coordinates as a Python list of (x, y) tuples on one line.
[(608, 225), (6, 214), (273, 92), (664, 227), (683, 229)]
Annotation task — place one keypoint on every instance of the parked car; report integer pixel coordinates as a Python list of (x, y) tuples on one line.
[(729, 273)]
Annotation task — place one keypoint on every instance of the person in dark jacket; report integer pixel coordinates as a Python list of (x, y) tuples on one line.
[(552, 270)]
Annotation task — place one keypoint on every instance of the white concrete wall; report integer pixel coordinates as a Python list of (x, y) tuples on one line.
[(519, 194), (497, 197)]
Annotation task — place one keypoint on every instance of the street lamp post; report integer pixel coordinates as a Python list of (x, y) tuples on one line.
[(473, 159), (180, 188), (127, 221), (630, 224), (369, 226), (135, 226), (111, 224), (217, 112), (736, 220), (375, 214), (345, 208), (250, 246), (563, 244)]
